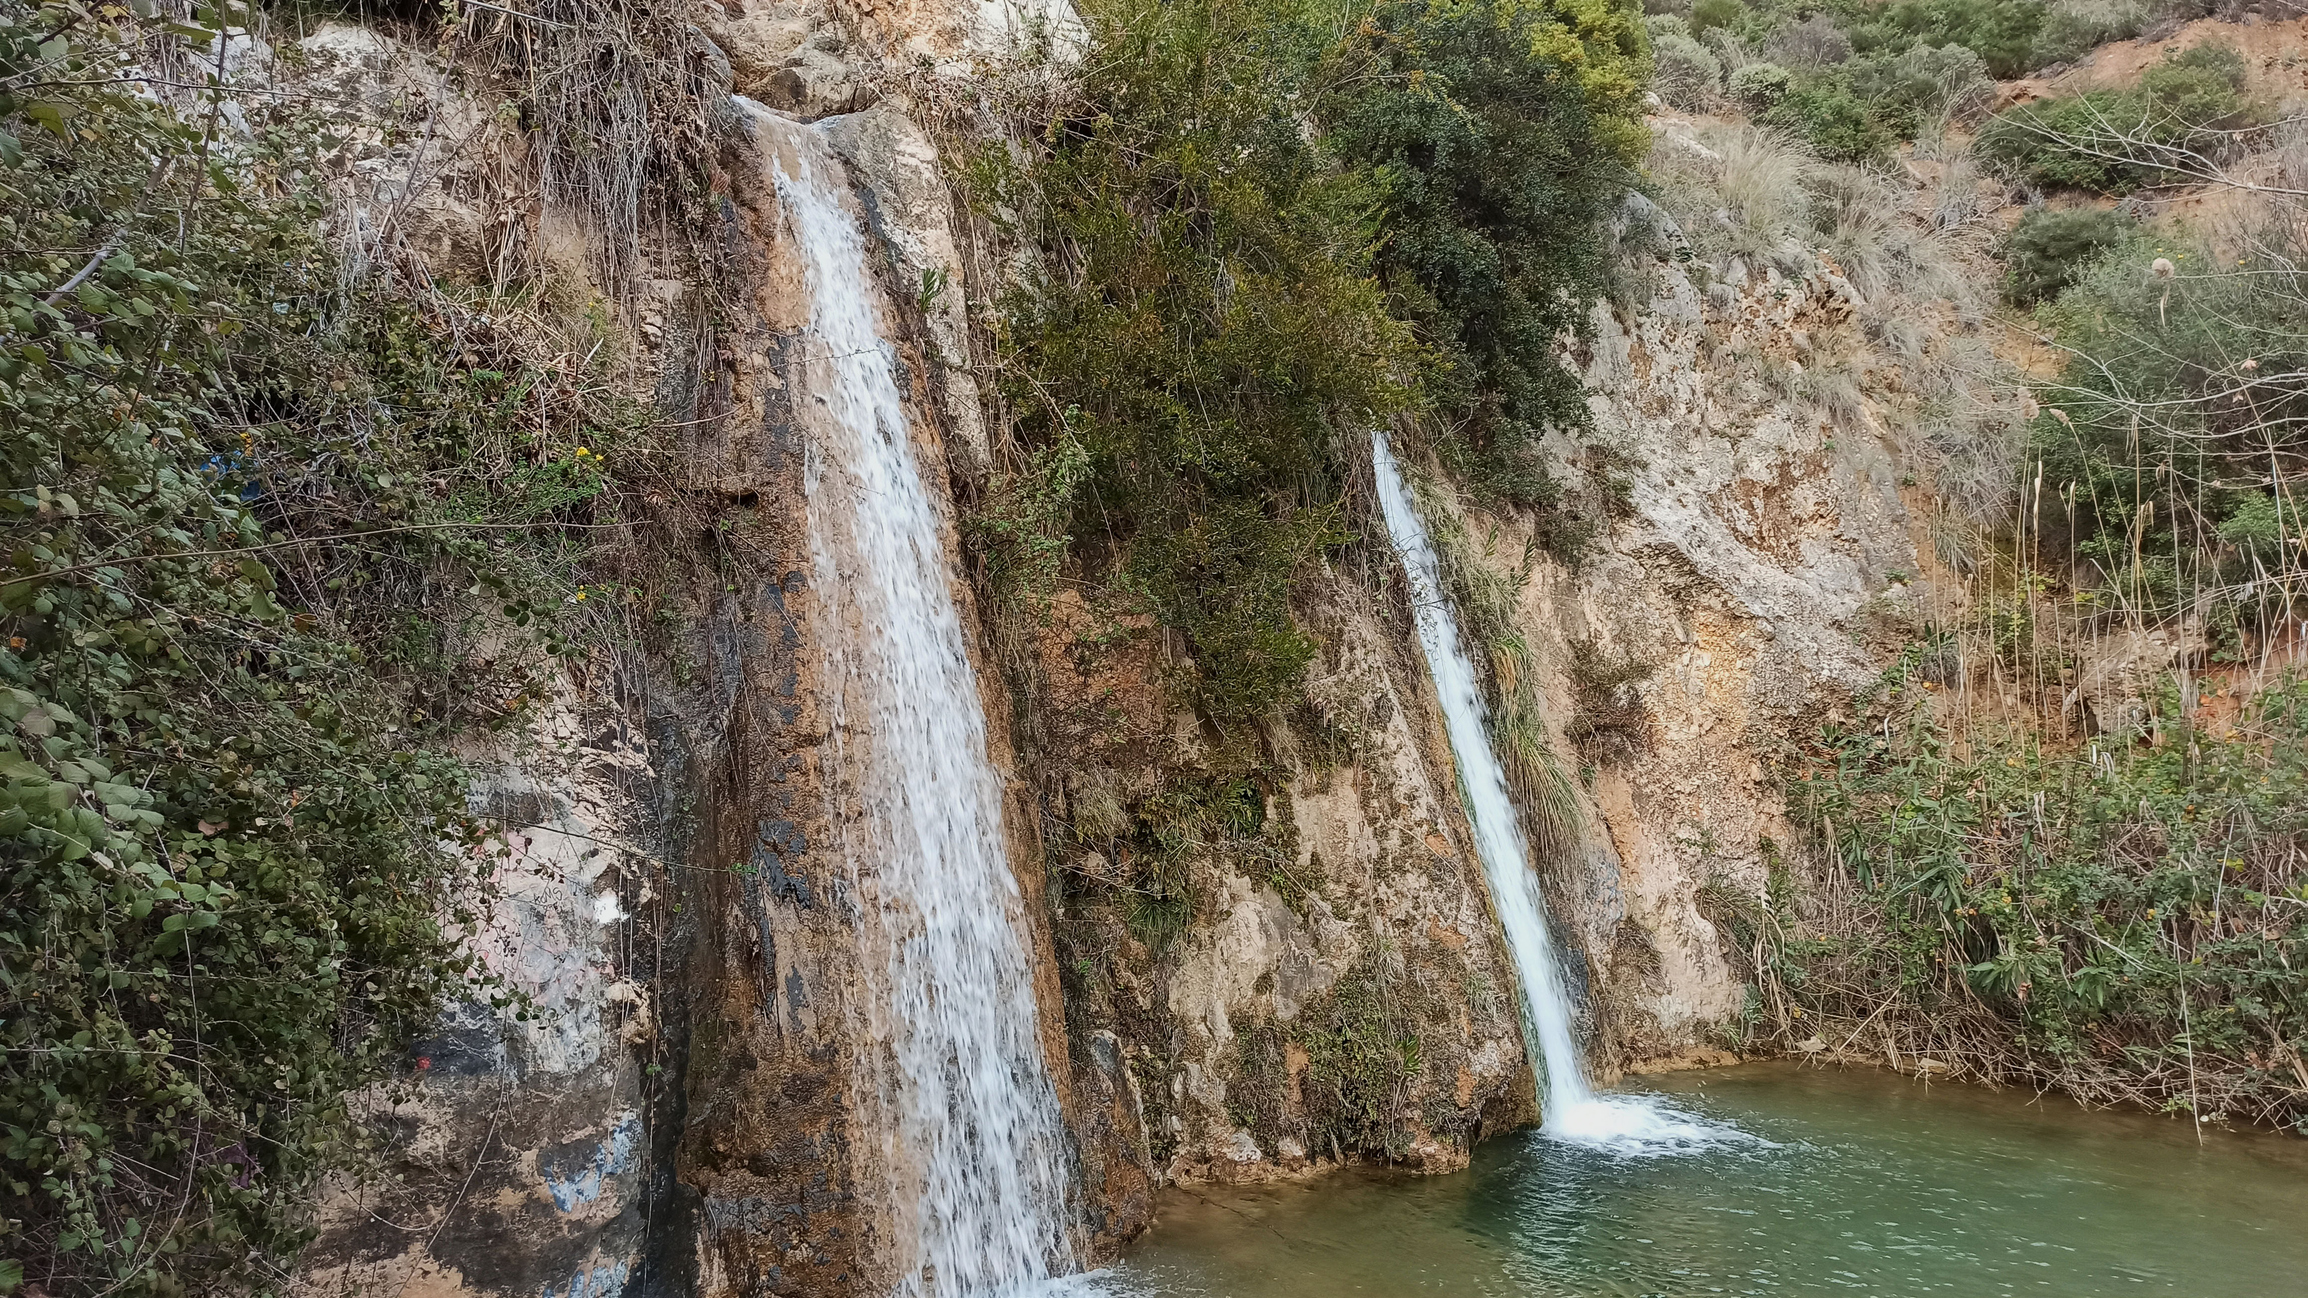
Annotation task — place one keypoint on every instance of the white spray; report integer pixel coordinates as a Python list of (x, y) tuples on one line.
[(1572, 1110), (970, 1128)]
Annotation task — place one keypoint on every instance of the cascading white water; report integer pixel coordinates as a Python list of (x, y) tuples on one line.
[(973, 1139), (1572, 1110)]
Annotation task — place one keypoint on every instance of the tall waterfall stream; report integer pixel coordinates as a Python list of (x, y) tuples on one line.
[(974, 1141), (1570, 1108)]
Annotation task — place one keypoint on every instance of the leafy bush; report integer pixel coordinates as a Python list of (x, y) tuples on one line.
[(1760, 86), (1816, 42), (1494, 181), (1215, 322), (2076, 142), (1206, 322), (235, 852), (2073, 28), (2202, 85), (1706, 14), (1685, 73), (1923, 82), (2116, 141), (2181, 396), (1838, 124), (2048, 249), (2002, 32)]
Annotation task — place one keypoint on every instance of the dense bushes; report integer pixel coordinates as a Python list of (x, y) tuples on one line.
[(1494, 179), (2048, 249), (1837, 124), (1205, 330), (2125, 919), (2116, 141), (234, 856), (1685, 73), (1261, 237), (2001, 32), (1857, 110), (1849, 101), (1854, 77)]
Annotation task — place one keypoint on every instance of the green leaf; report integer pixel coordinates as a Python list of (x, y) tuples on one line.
[(52, 115)]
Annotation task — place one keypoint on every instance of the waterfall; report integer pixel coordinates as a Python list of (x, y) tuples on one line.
[(1571, 1109), (968, 1124)]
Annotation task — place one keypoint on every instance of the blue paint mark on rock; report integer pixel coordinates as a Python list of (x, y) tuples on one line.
[(604, 1281), (575, 1176)]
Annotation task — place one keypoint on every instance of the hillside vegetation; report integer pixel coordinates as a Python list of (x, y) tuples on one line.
[(2058, 842)]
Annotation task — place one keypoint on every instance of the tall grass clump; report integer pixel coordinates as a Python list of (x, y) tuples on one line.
[(1749, 197), (2124, 919)]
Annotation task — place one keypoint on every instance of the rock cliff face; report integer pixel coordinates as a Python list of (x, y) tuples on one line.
[(1754, 573), (673, 1109), (1340, 969)]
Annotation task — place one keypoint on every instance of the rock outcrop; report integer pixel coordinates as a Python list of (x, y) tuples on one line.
[(1755, 571)]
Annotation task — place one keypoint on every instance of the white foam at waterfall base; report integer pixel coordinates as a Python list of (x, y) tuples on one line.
[(1571, 1111), (969, 1124), (1641, 1126)]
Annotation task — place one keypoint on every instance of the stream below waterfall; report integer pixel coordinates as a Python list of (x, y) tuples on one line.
[(1863, 1183)]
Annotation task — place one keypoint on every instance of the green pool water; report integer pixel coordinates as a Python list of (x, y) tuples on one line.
[(1870, 1184)]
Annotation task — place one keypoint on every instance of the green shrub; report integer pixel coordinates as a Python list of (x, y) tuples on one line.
[(2073, 28), (1685, 73), (2262, 528), (1207, 329), (1707, 14), (1494, 181), (2077, 142), (1760, 86), (1816, 42), (2048, 249), (1856, 109), (2002, 32), (2180, 398), (1839, 125), (2202, 85), (1233, 298), (1920, 83), (1361, 1056), (2116, 141)]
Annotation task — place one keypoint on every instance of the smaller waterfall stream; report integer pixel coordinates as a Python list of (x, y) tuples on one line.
[(969, 1129), (1572, 1109)]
